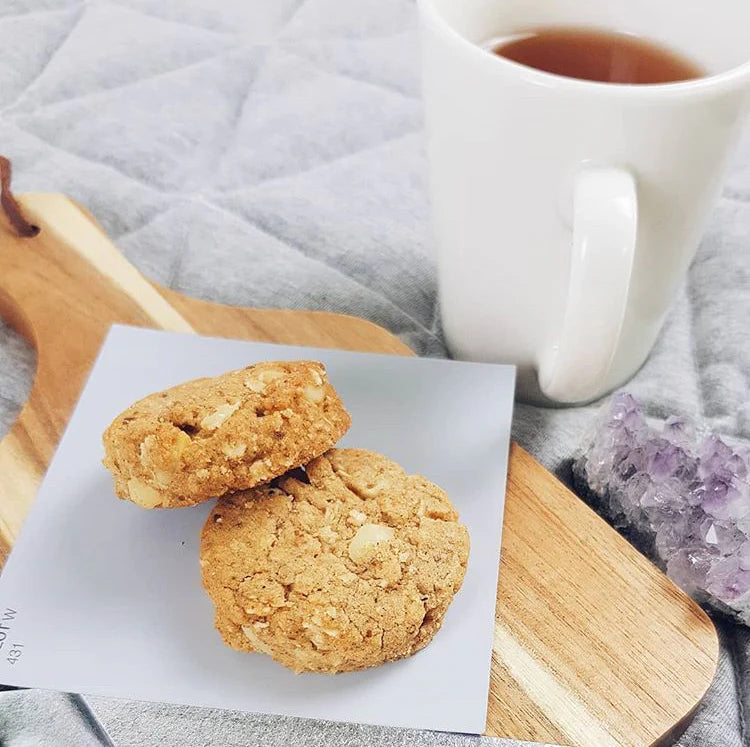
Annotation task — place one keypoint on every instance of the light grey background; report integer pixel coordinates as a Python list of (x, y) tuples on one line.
[(269, 153), (108, 597)]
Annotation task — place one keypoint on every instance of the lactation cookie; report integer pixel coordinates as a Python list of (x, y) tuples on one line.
[(345, 565), (204, 438)]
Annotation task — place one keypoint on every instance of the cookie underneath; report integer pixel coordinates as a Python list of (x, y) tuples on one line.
[(204, 438), (352, 569)]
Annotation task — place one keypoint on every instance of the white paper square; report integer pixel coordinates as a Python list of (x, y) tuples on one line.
[(106, 597)]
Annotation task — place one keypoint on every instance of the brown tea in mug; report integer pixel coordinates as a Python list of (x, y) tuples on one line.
[(598, 55)]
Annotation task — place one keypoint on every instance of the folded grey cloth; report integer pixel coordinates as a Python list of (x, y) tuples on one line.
[(270, 154), (36, 717)]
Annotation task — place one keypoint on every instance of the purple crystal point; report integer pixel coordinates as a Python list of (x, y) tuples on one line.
[(664, 459), (721, 499), (727, 580), (685, 494), (624, 404), (689, 569)]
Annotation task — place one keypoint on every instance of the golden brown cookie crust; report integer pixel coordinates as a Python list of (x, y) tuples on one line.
[(204, 438), (352, 570)]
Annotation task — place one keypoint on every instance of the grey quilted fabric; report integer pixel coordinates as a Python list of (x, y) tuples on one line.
[(269, 153)]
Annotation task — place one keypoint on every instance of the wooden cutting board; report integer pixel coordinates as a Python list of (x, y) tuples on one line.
[(593, 645)]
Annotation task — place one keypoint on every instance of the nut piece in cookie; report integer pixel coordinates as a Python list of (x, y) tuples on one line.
[(348, 566), (208, 437)]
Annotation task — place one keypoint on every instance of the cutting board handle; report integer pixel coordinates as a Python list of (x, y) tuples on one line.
[(10, 205)]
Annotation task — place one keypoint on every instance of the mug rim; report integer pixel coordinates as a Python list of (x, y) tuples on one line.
[(705, 84)]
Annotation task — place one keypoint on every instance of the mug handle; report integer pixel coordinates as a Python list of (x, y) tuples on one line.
[(605, 221)]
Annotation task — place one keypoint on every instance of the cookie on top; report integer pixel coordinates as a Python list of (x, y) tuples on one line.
[(211, 436)]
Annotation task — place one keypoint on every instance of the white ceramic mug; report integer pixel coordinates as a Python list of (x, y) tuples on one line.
[(566, 212)]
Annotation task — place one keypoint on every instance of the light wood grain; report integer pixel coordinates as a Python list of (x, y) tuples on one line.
[(593, 645)]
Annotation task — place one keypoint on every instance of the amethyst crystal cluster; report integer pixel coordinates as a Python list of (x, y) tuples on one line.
[(683, 493)]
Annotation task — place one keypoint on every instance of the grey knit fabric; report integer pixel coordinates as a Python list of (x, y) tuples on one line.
[(270, 154)]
